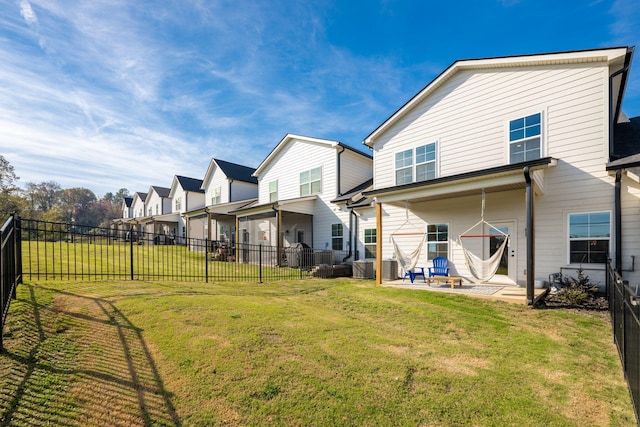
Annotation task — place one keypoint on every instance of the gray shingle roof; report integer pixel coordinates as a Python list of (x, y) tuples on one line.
[(236, 171), (162, 191), (190, 184), (626, 138)]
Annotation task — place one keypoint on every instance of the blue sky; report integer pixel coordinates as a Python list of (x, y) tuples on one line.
[(106, 94)]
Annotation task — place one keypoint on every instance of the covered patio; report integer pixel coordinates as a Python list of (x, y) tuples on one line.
[(445, 207)]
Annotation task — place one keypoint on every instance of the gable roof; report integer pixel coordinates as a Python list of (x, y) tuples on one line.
[(619, 56), (128, 201), (161, 191), (141, 196), (189, 184), (289, 137), (233, 171)]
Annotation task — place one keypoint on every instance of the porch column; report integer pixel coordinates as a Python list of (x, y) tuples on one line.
[(378, 243), (279, 235), (235, 253), (530, 238)]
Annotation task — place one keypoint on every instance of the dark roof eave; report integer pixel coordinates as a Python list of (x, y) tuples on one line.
[(545, 161)]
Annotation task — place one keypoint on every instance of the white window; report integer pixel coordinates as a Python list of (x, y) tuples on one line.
[(311, 182), (150, 211), (370, 243), (589, 237), (273, 191), (417, 164), (437, 240), (426, 162), (178, 203), (524, 138), (404, 167), (216, 199), (336, 237), (156, 209)]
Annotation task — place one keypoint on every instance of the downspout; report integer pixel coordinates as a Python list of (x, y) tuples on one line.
[(613, 114), (278, 234), (356, 234), (350, 236), (530, 238), (338, 171), (230, 198), (618, 219)]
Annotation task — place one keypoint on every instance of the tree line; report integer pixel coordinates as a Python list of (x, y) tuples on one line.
[(48, 201)]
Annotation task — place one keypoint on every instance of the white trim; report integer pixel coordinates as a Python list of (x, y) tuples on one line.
[(568, 235)]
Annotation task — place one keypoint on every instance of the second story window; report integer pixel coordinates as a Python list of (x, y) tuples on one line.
[(311, 182), (156, 209), (404, 167), (216, 199), (273, 191), (426, 162), (417, 164), (150, 211), (524, 138), (178, 203)]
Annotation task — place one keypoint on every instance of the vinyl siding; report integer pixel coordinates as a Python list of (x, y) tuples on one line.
[(243, 191), (218, 179), (469, 117)]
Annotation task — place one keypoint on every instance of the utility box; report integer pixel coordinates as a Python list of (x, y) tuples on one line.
[(364, 270), (389, 269)]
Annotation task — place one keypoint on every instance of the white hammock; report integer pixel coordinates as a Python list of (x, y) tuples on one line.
[(408, 261), (482, 269)]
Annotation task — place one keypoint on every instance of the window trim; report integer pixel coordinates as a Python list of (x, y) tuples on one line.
[(271, 193), (522, 115), (569, 239), (414, 163), (310, 182), (448, 242), (217, 194), (341, 236), (373, 243)]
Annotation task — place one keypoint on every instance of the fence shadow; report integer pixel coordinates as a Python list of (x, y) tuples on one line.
[(78, 360)]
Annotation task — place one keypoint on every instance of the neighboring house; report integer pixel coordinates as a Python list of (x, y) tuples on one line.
[(297, 182), (186, 195), (227, 187), (137, 212), (534, 134), (120, 226), (159, 220)]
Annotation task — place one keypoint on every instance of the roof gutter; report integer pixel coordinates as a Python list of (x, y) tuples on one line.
[(614, 112)]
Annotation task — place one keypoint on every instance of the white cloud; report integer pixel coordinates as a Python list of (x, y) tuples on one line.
[(27, 12)]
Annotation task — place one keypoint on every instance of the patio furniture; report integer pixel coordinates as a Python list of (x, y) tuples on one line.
[(439, 267), (445, 279), (415, 272)]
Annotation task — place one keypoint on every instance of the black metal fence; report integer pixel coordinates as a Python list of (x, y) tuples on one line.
[(73, 252), (624, 306), (10, 271)]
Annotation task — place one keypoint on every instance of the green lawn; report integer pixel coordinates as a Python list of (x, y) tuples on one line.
[(315, 352)]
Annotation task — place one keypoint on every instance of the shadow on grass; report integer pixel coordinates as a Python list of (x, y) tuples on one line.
[(77, 360)]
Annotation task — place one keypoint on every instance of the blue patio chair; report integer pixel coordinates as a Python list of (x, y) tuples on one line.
[(439, 267), (412, 274)]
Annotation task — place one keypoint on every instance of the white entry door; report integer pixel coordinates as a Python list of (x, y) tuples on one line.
[(508, 266)]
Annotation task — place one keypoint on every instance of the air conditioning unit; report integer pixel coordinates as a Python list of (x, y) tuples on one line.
[(389, 269), (364, 270)]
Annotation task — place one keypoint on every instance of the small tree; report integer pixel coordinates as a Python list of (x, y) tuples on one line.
[(577, 291)]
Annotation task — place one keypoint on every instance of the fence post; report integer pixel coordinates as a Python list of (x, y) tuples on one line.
[(206, 260), (131, 252), (260, 261)]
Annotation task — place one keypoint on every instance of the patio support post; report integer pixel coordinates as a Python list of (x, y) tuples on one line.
[(530, 238), (378, 243), (618, 220)]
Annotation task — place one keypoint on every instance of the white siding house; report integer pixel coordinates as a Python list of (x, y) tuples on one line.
[(505, 128), (297, 183), (159, 222), (186, 195), (227, 186)]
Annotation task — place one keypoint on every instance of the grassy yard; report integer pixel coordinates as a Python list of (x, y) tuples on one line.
[(301, 353)]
